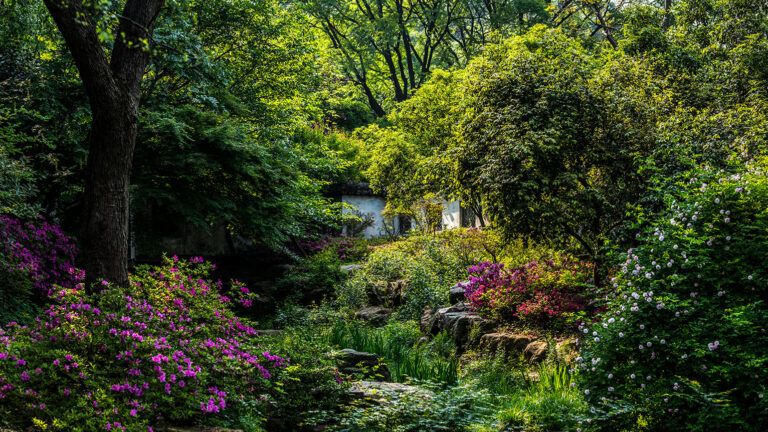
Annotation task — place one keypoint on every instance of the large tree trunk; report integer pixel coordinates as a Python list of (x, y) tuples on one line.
[(105, 216), (113, 88)]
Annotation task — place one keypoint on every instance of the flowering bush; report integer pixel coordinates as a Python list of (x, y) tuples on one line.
[(538, 292), (683, 344), (42, 251), (167, 349)]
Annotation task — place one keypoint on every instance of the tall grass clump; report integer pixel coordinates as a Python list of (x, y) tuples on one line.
[(398, 344), (548, 401)]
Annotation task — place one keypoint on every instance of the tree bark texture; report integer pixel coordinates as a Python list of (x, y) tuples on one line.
[(113, 89)]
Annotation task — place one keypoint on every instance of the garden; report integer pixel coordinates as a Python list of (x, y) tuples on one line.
[(383, 215)]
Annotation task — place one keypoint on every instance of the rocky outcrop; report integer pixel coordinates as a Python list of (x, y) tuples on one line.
[(505, 343), (388, 294), (375, 315), (456, 293), (464, 325), (536, 351), (351, 362)]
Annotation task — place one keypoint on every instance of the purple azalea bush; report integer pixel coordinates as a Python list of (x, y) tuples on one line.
[(165, 350), (40, 250)]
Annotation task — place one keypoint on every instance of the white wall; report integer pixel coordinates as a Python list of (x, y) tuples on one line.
[(451, 215), (367, 205)]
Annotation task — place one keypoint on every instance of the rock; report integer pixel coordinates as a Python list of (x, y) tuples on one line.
[(536, 351), (350, 268), (388, 294), (427, 320), (456, 294), (458, 321), (378, 390), (375, 315), (353, 362), (567, 350), (506, 343)]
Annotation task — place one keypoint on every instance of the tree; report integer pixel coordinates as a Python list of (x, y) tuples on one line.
[(389, 47), (553, 137), (113, 88)]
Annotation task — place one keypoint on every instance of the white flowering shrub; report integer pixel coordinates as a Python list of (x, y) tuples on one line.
[(683, 344)]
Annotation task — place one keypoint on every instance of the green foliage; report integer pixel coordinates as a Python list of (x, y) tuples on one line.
[(17, 187), (312, 278), (308, 385), (552, 136), (682, 343), (547, 403), (17, 295), (427, 265), (398, 343), (498, 373), (428, 408)]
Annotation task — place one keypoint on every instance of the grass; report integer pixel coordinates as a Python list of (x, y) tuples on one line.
[(547, 403), (398, 344)]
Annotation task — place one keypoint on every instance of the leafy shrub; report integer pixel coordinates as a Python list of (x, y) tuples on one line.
[(17, 182), (537, 292), (166, 349), (430, 264), (16, 295), (312, 278), (428, 408), (424, 263), (311, 382), (682, 344), (33, 258)]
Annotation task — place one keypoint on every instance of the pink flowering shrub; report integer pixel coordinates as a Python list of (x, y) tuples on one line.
[(536, 292), (40, 250), (165, 350)]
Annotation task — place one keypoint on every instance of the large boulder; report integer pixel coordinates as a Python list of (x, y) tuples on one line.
[(375, 315), (464, 325), (366, 364), (506, 343), (456, 293), (389, 294), (536, 351)]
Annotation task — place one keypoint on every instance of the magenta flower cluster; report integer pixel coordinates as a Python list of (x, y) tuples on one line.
[(167, 344), (41, 250), (533, 292)]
